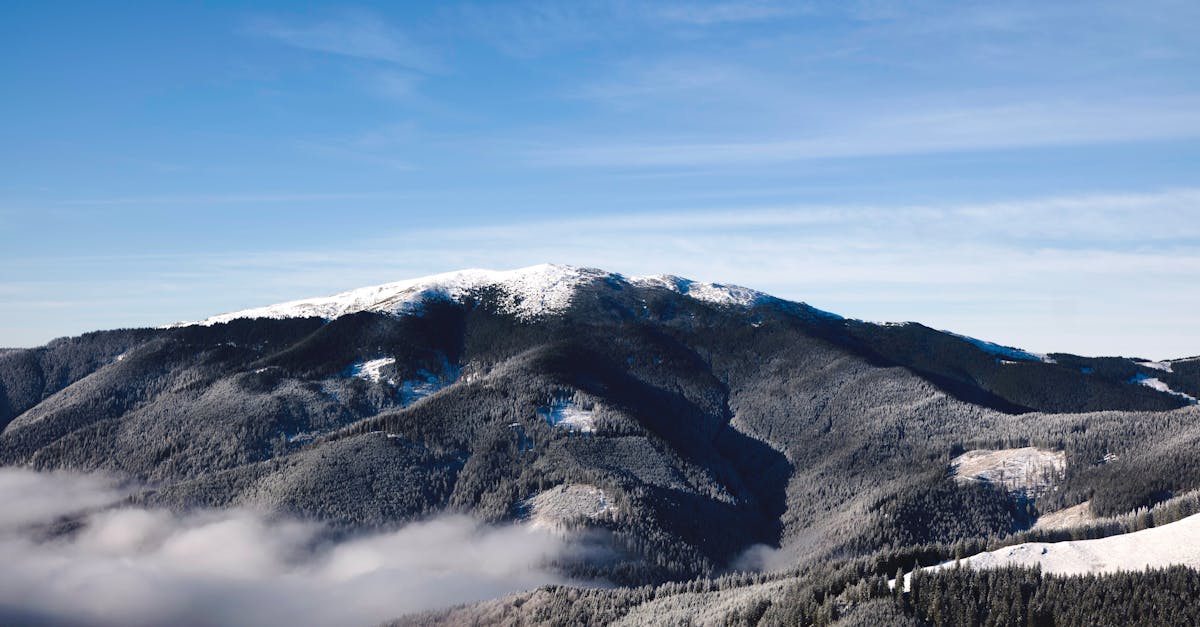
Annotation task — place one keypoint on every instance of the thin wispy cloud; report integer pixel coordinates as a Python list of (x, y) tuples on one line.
[(1091, 273), (237, 199), (347, 151), (638, 81), (536, 27), (388, 146), (1089, 219), (859, 155), (531, 29), (357, 35), (966, 129), (704, 14), (396, 85)]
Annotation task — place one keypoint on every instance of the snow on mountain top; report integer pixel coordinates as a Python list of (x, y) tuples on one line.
[(1003, 351), (526, 292), (717, 293)]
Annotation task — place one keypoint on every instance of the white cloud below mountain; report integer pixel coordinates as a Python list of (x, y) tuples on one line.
[(133, 566)]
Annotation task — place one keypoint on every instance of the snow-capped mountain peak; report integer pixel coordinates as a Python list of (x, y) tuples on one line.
[(717, 293), (527, 293), (530, 292)]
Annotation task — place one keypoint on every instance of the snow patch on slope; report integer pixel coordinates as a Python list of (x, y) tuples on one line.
[(1007, 352), (1177, 543), (411, 390), (371, 370), (527, 293), (1155, 384), (568, 415), (1029, 471), (429, 384), (557, 507), (1074, 516), (1165, 366)]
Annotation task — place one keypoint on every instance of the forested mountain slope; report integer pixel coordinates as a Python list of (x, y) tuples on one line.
[(702, 419)]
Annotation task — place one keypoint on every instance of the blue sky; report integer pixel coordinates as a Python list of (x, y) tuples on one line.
[(1023, 172)]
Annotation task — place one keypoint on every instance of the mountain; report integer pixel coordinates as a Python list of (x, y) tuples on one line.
[(698, 427)]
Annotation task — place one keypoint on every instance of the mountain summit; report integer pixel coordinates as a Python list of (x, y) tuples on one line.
[(527, 293)]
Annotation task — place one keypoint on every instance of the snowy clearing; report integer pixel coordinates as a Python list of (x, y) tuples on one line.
[(568, 415), (429, 384), (559, 505), (1165, 366), (411, 390), (1030, 471), (1155, 384), (370, 370), (1074, 516), (1174, 544)]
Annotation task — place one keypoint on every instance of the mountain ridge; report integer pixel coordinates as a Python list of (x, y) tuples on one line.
[(547, 289), (687, 427), (534, 290)]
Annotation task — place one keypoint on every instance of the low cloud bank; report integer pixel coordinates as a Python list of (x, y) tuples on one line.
[(134, 566), (762, 558)]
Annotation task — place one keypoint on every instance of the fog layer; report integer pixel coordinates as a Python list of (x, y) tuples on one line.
[(134, 566)]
